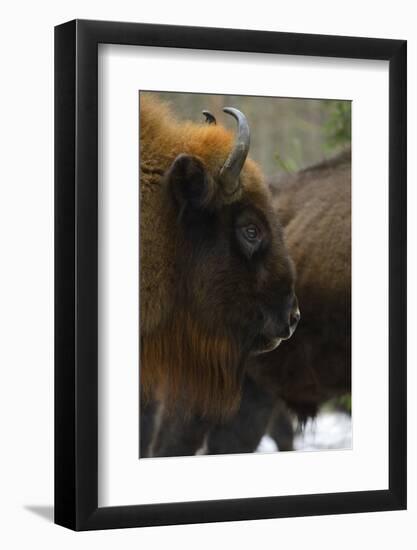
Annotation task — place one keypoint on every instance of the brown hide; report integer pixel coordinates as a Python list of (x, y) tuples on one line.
[(199, 297)]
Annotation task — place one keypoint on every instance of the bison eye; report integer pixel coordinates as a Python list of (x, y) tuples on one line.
[(251, 232), (250, 238)]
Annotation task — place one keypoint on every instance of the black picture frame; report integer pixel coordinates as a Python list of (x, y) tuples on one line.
[(76, 271)]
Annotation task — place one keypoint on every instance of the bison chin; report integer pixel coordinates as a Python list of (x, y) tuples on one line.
[(192, 368), (261, 345)]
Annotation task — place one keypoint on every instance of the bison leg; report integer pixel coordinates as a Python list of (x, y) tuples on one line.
[(281, 427), (172, 434), (177, 435), (147, 418), (243, 432)]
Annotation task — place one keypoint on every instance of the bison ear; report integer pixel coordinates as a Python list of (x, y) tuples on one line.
[(190, 182)]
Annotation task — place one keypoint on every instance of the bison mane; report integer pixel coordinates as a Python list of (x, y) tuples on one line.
[(190, 364)]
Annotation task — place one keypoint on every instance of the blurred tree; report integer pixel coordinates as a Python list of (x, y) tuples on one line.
[(337, 128)]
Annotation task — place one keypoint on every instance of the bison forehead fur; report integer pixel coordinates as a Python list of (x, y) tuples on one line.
[(202, 294)]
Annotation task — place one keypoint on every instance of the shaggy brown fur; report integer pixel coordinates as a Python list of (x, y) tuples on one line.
[(207, 358), (200, 300), (315, 364)]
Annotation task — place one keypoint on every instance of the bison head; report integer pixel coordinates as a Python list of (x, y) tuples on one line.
[(232, 288)]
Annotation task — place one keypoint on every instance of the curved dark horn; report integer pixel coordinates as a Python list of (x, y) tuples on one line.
[(231, 169), (210, 118)]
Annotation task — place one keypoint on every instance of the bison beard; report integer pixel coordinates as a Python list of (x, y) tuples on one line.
[(212, 378)]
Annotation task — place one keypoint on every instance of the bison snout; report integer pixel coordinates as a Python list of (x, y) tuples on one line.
[(278, 324), (283, 324)]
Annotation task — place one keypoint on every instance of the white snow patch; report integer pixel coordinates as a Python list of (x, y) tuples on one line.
[(267, 445), (329, 430)]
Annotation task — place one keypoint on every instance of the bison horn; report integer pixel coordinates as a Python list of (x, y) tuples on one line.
[(231, 169), (210, 118)]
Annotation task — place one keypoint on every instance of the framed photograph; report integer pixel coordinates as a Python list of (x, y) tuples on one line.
[(230, 275)]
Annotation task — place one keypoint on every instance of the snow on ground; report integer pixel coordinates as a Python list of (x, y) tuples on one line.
[(267, 445), (329, 430)]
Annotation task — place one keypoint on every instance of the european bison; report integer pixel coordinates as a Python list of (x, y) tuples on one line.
[(216, 281), (315, 365)]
